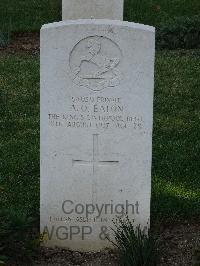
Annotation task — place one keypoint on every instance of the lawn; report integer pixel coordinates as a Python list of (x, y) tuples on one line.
[(176, 144), (19, 135), (29, 15)]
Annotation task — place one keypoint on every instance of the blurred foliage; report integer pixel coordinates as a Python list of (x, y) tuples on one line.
[(177, 22), (179, 32), (29, 15), (5, 33), (196, 255), (18, 240)]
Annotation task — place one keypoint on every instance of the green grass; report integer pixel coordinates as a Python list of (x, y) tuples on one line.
[(176, 144), (31, 14), (19, 134)]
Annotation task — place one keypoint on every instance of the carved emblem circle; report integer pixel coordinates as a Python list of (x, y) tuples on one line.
[(95, 62)]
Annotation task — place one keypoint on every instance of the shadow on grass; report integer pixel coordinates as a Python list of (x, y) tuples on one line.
[(174, 201)]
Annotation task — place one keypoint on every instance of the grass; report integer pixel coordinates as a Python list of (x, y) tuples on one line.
[(19, 160), (29, 15), (176, 144), (19, 135)]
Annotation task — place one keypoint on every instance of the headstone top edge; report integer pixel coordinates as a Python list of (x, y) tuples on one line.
[(99, 9), (99, 22)]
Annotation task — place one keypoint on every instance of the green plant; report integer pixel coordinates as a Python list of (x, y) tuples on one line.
[(196, 256), (29, 15), (136, 247), (179, 32), (5, 34), (4, 39), (16, 234)]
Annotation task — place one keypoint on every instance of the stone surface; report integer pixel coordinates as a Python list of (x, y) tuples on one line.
[(97, 80), (98, 9)]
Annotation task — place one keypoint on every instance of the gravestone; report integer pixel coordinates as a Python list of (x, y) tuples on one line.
[(98, 9), (97, 80)]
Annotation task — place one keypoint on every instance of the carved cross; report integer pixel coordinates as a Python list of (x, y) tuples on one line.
[(95, 162)]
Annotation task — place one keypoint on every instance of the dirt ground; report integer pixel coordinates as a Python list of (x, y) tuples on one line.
[(23, 43), (177, 245)]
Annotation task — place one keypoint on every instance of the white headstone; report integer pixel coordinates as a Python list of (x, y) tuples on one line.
[(97, 80), (98, 9)]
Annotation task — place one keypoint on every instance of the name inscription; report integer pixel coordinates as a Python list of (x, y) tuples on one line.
[(97, 113)]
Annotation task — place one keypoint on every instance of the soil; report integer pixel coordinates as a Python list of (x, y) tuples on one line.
[(56, 257), (177, 245), (29, 43), (23, 43)]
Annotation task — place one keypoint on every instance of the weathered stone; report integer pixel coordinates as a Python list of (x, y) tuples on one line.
[(97, 79)]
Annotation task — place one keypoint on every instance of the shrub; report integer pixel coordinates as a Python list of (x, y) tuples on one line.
[(5, 34), (136, 248), (179, 32), (4, 39)]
